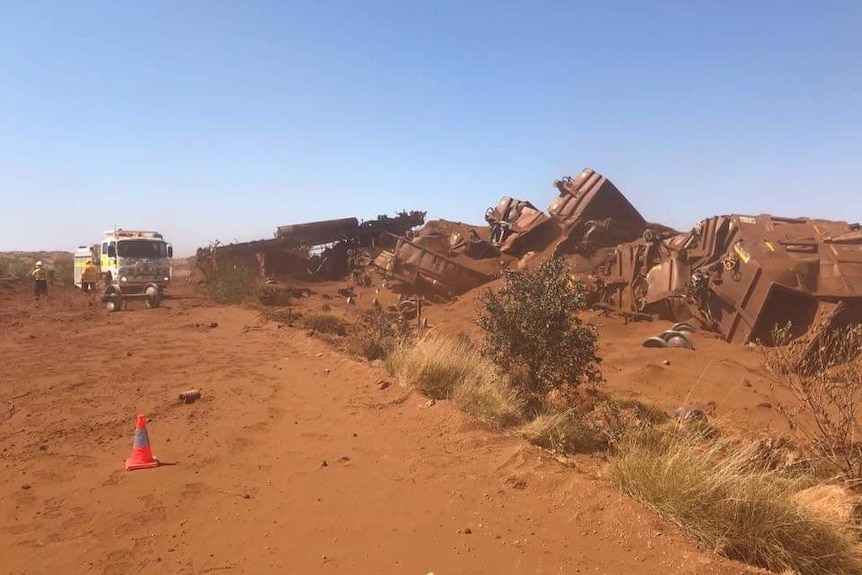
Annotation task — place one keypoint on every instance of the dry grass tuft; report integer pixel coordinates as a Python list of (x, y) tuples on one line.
[(566, 432), (446, 367), (745, 512)]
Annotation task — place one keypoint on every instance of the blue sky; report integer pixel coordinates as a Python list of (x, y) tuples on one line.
[(224, 119)]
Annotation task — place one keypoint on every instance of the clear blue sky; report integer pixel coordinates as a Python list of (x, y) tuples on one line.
[(224, 119)]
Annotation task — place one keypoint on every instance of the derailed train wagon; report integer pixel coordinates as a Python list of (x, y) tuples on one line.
[(427, 270), (742, 275)]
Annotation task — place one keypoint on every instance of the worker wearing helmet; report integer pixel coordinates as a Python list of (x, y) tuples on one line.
[(89, 276), (40, 280)]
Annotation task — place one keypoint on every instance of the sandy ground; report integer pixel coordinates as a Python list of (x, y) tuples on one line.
[(295, 461)]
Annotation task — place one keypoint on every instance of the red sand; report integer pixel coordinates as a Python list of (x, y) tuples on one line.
[(405, 488)]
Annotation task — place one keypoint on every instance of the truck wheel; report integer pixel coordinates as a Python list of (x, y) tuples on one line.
[(154, 297), (115, 303), (113, 299)]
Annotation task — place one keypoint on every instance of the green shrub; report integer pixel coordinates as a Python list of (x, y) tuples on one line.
[(20, 268), (232, 284), (532, 322), (64, 270)]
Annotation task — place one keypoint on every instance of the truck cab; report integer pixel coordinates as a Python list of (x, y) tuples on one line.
[(135, 263)]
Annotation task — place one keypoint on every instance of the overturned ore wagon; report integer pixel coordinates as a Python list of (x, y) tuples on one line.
[(426, 270), (742, 275)]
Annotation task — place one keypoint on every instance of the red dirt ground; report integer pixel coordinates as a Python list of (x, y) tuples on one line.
[(406, 487)]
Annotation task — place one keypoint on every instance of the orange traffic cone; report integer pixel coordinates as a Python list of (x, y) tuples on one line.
[(142, 456)]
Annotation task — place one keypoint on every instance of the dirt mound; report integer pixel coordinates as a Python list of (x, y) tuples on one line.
[(444, 227)]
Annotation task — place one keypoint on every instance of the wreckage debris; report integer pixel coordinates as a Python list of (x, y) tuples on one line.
[(677, 336), (741, 276), (593, 213), (515, 225), (426, 270), (320, 250), (654, 341), (737, 275)]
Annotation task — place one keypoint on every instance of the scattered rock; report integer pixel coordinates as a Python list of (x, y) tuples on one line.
[(765, 405), (690, 414), (190, 395), (214, 324), (324, 463), (666, 362), (427, 404), (25, 487), (516, 482), (467, 531), (326, 370), (383, 384)]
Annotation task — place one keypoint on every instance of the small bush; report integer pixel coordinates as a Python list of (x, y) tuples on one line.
[(376, 334), (715, 492), (273, 296), (825, 385), (532, 322), (646, 413), (566, 433), (19, 268), (595, 424), (64, 270), (449, 367), (282, 315), (232, 284), (325, 323)]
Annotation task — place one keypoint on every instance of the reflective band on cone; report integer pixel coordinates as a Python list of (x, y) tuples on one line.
[(142, 456)]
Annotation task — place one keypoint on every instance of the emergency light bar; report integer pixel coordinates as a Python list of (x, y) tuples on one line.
[(134, 234)]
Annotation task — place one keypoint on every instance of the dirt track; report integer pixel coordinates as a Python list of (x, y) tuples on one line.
[(405, 488)]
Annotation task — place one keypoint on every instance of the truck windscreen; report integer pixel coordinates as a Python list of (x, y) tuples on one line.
[(141, 249)]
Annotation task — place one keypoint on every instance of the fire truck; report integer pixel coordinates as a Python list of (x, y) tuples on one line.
[(133, 264)]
